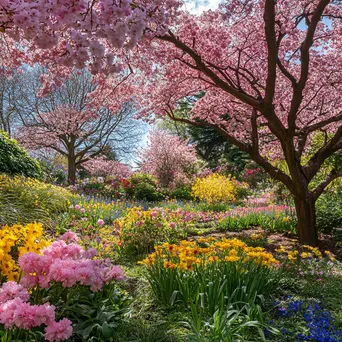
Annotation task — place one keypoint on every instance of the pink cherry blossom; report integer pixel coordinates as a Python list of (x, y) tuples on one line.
[(78, 32), (102, 167), (266, 75)]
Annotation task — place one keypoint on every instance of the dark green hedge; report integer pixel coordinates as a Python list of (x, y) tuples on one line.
[(14, 160)]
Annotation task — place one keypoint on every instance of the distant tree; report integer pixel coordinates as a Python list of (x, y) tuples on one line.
[(68, 122), (11, 70), (8, 91), (168, 158)]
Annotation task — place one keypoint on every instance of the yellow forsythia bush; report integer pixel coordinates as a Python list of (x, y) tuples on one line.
[(15, 241), (214, 188)]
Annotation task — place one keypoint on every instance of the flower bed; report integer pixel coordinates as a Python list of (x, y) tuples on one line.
[(64, 289)]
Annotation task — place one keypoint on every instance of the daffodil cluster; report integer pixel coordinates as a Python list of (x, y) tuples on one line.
[(190, 254), (307, 252), (16, 241), (214, 268)]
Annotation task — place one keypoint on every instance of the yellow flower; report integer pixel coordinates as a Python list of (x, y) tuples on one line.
[(305, 255), (213, 258), (22, 239), (215, 188), (281, 249), (169, 264), (292, 255), (231, 258)]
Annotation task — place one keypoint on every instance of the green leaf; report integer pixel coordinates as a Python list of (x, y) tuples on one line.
[(86, 332), (107, 331)]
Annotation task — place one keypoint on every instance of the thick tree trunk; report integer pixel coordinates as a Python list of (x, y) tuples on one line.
[(71, 170), (306, 219)]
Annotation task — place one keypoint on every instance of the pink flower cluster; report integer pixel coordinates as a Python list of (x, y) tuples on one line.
[(102, 167), (168, 158), (68, 264), (79, 31), (263, 199), (16, 312)]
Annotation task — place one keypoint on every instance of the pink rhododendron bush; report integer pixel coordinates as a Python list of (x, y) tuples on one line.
[(60, 294)]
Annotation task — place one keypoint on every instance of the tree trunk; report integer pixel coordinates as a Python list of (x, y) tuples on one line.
[(71, 170), (306, 219)]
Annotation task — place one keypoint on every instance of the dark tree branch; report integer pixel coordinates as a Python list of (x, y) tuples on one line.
[(334, 174)]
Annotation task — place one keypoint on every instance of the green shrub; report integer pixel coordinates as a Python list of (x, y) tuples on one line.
[(144, 187), (14, 160), (182, 192), (329, 210)]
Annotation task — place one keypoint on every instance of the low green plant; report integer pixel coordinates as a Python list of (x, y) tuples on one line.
[(97, 315), (269, 219), (26, 200), (140, 229), (216, 207), (227, 324)]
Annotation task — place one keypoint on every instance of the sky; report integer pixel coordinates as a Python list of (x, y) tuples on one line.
[(198, 6)]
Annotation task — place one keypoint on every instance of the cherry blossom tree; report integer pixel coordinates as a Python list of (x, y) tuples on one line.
[(168, 158), (101, 166), (69, 122), (11, 62), (272, 76)]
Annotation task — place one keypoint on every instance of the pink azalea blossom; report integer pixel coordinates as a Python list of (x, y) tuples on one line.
[(12, 290), (58, 331), (100, 222), (69, 237), (68, 264)]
